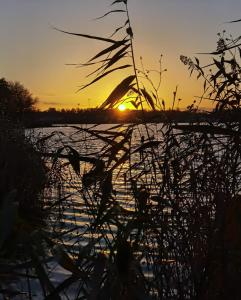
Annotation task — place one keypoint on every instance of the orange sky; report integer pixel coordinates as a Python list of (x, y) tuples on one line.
[(36, 55)]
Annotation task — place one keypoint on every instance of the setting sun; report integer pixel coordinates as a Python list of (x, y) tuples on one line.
[(122, 107)]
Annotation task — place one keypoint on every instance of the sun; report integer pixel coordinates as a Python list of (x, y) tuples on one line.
[(122, 107)]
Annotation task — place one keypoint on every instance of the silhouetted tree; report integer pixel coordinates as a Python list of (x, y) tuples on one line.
[(15, 98), (52, 110)]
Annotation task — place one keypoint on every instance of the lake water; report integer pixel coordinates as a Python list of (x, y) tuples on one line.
[(74, 219), (74, 215)]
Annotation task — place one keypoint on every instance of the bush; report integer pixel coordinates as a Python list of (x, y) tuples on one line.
[(22, 171)]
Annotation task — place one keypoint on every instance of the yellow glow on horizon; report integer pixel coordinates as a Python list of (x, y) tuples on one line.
[(122, 107)]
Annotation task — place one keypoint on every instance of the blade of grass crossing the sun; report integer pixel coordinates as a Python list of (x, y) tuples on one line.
[(118, 92)]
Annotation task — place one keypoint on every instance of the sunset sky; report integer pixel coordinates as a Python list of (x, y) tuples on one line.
[(36, 55)]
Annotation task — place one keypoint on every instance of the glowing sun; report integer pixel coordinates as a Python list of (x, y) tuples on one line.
[(122, 107)]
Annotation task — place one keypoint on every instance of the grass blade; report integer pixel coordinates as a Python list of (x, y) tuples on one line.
[(110, 12), (88, 36), (103, 75), (118, 1), (109, 49), (121, 53), (148, 98), (118, 92)]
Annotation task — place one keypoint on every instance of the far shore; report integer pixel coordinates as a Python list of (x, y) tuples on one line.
[(95, 116)]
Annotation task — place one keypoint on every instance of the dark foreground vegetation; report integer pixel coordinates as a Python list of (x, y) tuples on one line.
[(172, 231)]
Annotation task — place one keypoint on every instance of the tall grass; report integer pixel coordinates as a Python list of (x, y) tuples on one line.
[(177, 235)]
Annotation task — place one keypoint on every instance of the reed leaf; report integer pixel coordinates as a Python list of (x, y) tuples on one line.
[(91, 160), (135, 103), (112, 60), (135, 90), (109, 49), (42, 274), (103, 75), (118, 29), (104, 132), (148, 98), (99, 135), (120, 54), (74, 160), (221, 89), (119, 1), (89, 64), (110, 63), (110, 12), (146, 145), (63, 286), (118, 92), (113, 151), (65, 261), (121, 161), (88, 36), (234, 21)]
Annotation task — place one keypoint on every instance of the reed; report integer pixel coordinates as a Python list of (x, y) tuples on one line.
[(174, 244)]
